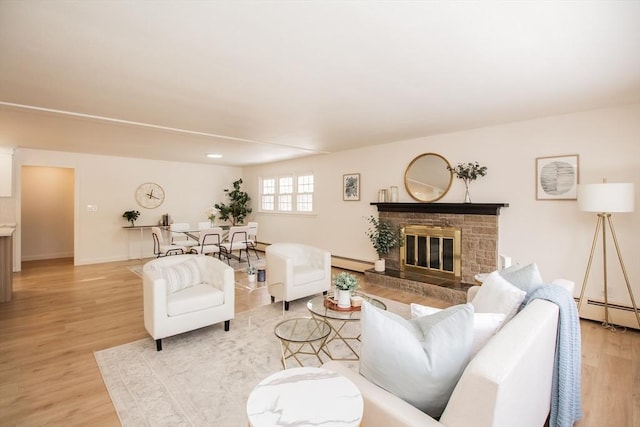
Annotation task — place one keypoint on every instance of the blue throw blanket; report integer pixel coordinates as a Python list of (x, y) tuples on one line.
[(566, 400)]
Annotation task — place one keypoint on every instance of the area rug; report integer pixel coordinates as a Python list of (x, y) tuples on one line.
[(203, 377)]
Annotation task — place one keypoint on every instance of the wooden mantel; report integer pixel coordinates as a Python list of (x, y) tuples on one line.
[(443, 208)]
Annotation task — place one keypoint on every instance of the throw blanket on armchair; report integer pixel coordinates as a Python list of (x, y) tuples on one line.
[(566, 400)]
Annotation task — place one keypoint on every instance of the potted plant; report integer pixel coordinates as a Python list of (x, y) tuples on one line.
[(345, 283), (237, 209), (131, 216), (467, 173), (383, 238), (251, 273)]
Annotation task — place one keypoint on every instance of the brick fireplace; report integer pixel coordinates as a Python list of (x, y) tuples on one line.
[(478, 226)]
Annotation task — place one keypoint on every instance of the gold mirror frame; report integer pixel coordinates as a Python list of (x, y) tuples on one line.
[(427, 178)]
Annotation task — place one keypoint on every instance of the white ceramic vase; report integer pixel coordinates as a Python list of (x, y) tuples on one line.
[(251, 277), (344, 299), (379, 265)]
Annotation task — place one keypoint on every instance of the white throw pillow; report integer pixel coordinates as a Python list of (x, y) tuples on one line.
[(497, 295), (418, 360), (525, 278), (182, 275), (485, 325)]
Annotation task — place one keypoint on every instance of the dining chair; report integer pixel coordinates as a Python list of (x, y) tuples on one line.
[(252, 237), (236, 241), (209, 241), (162, 249)]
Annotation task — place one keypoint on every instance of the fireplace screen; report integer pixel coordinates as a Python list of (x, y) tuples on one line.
[(431, 250)]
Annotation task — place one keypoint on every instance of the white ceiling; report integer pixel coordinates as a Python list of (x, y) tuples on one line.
[(261, 81)]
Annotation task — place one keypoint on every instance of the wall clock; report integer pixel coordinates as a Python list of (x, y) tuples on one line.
[(149, 195)]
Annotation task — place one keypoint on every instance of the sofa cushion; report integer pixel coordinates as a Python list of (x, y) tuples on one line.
[(497, 295), (524, 277), (485, 325), (194, 298), (418, 360), (304, 274), (181, 275)]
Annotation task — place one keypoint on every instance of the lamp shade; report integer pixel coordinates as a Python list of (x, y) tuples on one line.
[(606, 197)]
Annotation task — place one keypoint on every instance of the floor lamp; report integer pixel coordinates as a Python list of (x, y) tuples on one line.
[(605, 199)]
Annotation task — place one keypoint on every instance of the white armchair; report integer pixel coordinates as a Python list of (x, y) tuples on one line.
[(297, 271), (186, 292)]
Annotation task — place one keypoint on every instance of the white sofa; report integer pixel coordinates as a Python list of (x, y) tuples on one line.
[(507, 383), (297, 271), (202, 304)]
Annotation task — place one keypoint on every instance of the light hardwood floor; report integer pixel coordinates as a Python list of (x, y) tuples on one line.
[(61, 314)]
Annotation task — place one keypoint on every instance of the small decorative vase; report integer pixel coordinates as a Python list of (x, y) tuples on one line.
[(344, 299), (251, 277), (336, 293), (379, 265), (132, 223), (394, 194), (211, 222), (467, 196)]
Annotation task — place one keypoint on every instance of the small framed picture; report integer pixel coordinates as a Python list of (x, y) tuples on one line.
[(557, 177), (351, 187)]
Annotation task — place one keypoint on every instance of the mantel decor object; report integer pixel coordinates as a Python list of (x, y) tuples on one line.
[(468, 172)]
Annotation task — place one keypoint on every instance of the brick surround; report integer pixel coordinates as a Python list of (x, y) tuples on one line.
[(479, 249)]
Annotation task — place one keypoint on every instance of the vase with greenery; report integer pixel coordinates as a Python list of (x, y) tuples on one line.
[(468, 172), (211, 215), (345, 283), (131, 216), (383, 237), (238, 208)]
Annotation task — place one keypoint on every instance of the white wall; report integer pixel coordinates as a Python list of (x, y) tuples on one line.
[(554, 234), (110, 183)]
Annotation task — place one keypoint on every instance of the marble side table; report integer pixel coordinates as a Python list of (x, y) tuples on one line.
[(305, 396)]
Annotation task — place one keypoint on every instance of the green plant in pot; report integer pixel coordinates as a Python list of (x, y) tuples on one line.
[(131, 216), (238, 208), (345, 283), (383, 237), (251, 273)]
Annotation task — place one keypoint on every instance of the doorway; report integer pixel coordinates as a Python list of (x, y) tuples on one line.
[(47, 213)]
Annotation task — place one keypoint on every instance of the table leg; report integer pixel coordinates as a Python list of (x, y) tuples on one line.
[(337, 335)]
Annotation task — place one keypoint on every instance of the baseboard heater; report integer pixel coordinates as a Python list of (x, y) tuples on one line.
[(350, 263), (619, 314), (336, 261)]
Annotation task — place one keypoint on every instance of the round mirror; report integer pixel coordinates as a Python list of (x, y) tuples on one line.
[(427, 178)]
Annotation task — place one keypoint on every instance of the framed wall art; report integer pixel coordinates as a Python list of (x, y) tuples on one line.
[(351, 187), (557, 177)]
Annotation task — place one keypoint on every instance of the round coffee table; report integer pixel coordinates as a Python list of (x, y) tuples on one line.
[(338, 319), (305, 396), (297, 333)]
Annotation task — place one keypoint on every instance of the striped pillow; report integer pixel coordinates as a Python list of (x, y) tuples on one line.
[(182, 275)]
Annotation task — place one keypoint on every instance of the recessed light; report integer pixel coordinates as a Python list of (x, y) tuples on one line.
[(214, 156)]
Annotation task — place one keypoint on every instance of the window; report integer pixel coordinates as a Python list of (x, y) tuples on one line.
[(287, 193), (268, 194), (305, 194)]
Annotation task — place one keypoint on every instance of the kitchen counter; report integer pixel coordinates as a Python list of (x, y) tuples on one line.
[(6, 263)]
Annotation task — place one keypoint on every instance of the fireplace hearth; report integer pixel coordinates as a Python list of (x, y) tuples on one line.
[(477, 225)]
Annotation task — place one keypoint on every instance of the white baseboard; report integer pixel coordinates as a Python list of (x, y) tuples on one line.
[(618, 314), (47, 256)]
